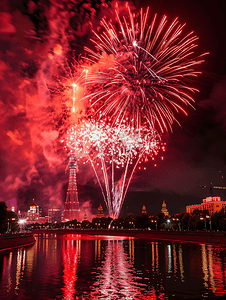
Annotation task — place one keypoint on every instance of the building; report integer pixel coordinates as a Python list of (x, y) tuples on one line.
[(144, 209), (164, 210), (212, 204), (54, 215), (33, 214), (100, 213), (71, 209)]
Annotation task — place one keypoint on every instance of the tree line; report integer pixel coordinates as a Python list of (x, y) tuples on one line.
[(198, 220)]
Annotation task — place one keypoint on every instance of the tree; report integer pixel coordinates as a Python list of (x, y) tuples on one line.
[(161, 220), (8, 219), (129, 221), (222, 224), (185, 220), (193, 221), (3, 217), (218, 220), (101, 222), (85, 224), (141, 221)]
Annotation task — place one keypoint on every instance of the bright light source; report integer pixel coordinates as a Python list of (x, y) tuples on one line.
[(22, 221)]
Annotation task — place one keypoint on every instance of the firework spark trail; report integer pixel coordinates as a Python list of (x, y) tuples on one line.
[(142, 74), (108, 148)]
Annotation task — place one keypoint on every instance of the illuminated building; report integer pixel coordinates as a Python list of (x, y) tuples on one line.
[(100, 213), (33, 214), (164, 210), (212, 204), (54, 215), (144, 210), (71, 209)]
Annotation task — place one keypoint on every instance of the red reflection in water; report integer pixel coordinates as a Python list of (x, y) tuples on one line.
[(4, 267), (70, 261), (115, 278), (216, 272), (118, 279)]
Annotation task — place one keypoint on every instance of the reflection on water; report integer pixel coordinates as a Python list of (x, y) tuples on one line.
[(116, 277), (70, 261), (94, 267)]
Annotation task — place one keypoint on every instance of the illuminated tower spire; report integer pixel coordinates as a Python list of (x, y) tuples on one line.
[(71, 209), (164, 210)]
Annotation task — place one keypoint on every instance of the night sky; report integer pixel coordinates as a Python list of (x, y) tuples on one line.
[(36, 37)]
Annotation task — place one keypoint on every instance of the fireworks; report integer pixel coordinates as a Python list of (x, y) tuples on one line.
[(137, 81), (142, 74), (110, 148)]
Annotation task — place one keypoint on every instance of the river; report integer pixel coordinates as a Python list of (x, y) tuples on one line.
[(103, 267)]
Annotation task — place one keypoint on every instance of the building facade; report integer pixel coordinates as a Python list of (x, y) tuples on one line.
[(212, 204), (54, 215), (33, 214)]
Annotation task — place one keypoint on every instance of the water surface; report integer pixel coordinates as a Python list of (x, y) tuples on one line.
[(103, 267)]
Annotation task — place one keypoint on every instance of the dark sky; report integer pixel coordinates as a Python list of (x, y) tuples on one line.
[(36, 37)]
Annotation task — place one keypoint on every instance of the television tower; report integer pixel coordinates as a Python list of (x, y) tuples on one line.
[(71, 209)]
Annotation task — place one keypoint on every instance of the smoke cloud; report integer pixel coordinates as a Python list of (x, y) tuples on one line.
[(41, 41)]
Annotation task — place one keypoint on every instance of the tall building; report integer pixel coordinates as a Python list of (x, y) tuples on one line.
[(164, 210), (212, 204), (71, 209), (100, 213), (54, 215), (144, 209)]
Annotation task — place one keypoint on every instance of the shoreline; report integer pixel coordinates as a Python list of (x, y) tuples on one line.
[(11, 241), (199, 237)]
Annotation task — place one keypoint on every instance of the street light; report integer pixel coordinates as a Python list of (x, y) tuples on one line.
[(22, 223), (178, 220), (209, 217), (168, 223)]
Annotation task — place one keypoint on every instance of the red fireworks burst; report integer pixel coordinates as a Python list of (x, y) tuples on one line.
[(142, 74)]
